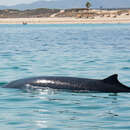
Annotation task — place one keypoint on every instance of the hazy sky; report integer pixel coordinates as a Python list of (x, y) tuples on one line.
[(115, 3), (14, 2)]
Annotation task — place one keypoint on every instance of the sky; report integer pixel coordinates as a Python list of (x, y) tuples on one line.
[(109, 3), (14, 2)]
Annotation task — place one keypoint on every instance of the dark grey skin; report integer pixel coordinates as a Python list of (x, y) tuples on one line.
[(108, 85)]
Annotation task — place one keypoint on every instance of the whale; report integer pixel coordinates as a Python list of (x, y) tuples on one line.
[(110, 84)]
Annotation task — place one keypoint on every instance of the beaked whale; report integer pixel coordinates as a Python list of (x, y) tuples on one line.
[(107, 85)]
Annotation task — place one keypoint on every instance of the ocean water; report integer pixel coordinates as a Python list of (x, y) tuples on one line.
[(83, 50)]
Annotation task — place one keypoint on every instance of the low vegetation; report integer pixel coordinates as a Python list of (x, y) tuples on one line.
[(34, 13)]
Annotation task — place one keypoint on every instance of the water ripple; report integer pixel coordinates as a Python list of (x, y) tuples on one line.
[(92, 51)]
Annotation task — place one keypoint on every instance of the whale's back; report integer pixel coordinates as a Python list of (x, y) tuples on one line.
[(109, 84)]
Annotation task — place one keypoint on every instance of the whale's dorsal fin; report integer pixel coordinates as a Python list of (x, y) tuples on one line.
[(113, 79)]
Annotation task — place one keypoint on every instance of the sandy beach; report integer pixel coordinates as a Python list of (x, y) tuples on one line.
[(66, 20)]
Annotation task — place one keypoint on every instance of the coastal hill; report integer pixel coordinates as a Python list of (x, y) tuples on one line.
[(76, 13), (34, 13)]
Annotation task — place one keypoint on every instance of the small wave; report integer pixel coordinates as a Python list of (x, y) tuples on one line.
[(40, 90), (3, 83), (126, 68)]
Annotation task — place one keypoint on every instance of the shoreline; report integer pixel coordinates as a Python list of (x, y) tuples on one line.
[(66, 20)]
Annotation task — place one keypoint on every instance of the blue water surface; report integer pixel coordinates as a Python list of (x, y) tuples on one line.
[(82, 50)]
